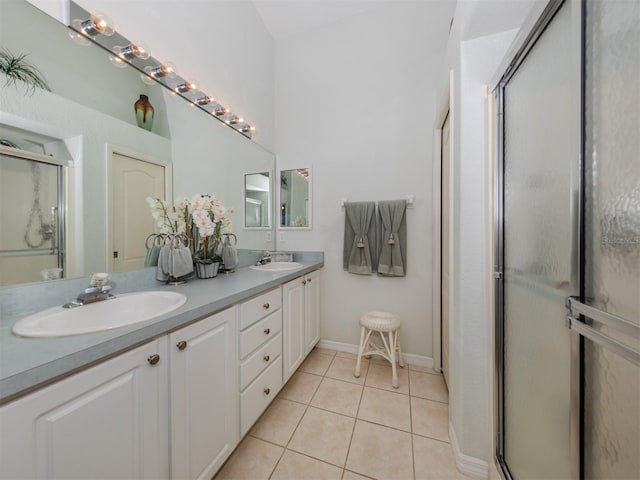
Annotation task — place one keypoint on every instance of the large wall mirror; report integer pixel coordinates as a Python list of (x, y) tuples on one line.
[(295, 199), (90, 110)]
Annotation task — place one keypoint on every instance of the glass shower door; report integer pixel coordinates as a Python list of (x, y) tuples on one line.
[(611, 379)]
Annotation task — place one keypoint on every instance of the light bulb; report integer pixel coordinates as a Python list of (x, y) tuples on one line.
[(166, 69), (98, 23), (204, 100), (219, 110), (186, 87), (117, 61), (133, 50), (234, 119)]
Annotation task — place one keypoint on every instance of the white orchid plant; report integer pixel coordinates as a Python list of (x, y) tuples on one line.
[(202, 219)]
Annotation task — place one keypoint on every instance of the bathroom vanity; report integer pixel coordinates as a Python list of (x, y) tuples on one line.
[(167, 398)]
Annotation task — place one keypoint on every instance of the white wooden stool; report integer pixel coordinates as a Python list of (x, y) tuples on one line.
[(383, 323)]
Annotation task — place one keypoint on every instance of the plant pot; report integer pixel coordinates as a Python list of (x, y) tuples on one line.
[(207, 270)]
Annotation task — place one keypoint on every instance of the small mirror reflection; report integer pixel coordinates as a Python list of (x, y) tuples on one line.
[(257, 200), (295, 198)]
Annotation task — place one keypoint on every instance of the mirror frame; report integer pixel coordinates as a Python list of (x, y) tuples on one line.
[(269, 225), (309, 225)]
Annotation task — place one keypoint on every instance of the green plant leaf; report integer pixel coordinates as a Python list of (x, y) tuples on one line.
[(16, 68)]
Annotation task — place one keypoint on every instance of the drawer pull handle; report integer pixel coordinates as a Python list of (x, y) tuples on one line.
[(153, 359), (267, 391), (266, 306), (267, 358), (267, 331), (181, 345)]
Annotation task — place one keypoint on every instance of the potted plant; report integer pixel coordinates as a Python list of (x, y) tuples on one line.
[(16, 68), (208, 221)]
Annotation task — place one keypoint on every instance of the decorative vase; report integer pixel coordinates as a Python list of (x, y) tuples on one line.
[(207, 270), (144, 112)]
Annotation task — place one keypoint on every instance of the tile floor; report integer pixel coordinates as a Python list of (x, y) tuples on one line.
[(326, 424)]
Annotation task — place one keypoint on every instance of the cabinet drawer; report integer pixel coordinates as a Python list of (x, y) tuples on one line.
[(257, 397), (259, 333), (259, 307), (260, 360)]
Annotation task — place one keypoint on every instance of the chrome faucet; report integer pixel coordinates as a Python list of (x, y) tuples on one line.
[(97, 291), (266, 257)]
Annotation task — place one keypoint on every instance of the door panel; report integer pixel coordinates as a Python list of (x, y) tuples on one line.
[(132, 181), (540, 166), (612, 234), (445, 261)]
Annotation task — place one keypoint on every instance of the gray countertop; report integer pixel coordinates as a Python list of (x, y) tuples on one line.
[(27, 363)]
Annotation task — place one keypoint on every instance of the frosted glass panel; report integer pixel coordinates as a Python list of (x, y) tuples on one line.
[(540, 164), (612, 237)]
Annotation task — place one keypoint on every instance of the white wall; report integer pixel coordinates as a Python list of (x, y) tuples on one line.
[(223, 44), (355, 101)]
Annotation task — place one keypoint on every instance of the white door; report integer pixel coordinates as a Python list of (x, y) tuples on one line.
[(132, 181), (293, 319), (444, 287), (106, 422), (204, 395)]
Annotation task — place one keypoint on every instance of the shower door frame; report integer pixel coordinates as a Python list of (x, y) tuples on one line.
[(60, 233), (577, 341)]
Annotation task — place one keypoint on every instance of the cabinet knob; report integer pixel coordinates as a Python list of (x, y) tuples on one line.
[(181, 345), (267, 331), (309, 280), (304, 282), (267, 391), (266, 306), (153, 359), (266, 358)]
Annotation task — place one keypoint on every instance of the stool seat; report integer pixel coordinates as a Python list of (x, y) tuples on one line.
[(387, 326), (380, 321)]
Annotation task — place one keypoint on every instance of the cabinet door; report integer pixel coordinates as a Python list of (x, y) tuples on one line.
[(204, 395), (109, 421), (312, 310), (293, 318)]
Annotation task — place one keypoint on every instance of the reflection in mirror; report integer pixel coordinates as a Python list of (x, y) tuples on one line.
[(90, 111), (295, 198), (257, 200)]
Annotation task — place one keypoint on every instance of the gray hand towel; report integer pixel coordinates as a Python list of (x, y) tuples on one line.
[(151, 258), (181, 260), (359, 254), (392, 238), (229, 253), (164, 264)]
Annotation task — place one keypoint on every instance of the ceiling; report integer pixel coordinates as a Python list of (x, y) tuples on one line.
[(287, 18)]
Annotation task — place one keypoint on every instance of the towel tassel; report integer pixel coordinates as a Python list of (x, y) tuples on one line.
[(391, 240)]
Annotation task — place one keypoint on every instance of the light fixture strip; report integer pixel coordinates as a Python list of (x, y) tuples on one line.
[(156, 70)]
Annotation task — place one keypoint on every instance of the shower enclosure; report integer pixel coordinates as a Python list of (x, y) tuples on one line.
[(32, 216), (568, 247)]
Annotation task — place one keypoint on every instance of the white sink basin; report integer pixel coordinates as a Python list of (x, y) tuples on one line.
[(125, 309), (276, 266)]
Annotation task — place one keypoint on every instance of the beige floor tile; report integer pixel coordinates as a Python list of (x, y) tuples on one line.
[(434, 460), (353, 476), (386, 408), (316, 363), (346, 355), (338, 396), (417, 368), (325, 351), (379, 376), (279, 421), (431, 387), (323, 435), (293, 466), (254, 459), (430, 419), (300, 387), (343, 368), (380, 452)]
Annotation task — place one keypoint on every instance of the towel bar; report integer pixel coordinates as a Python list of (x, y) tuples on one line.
[(409, 198)]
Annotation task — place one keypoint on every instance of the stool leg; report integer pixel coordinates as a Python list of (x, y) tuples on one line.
[(400, 361), (392, 357), (360, 350)]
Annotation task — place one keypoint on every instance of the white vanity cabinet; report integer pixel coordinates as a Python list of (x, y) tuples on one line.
[(203, 395), (260, 349), (300, 320), (108, 421)]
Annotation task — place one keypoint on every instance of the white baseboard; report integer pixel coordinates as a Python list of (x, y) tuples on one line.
[(470, 466), (410, 358)]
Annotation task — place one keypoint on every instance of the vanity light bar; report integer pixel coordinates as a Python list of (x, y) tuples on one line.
[(99, 28)]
